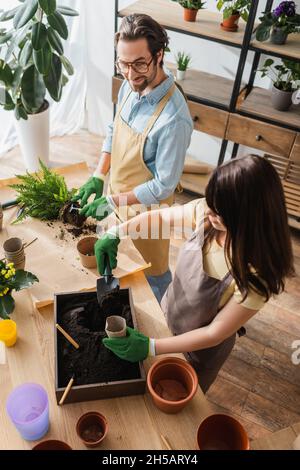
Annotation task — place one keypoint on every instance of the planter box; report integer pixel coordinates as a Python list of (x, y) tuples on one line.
[(97, 372)]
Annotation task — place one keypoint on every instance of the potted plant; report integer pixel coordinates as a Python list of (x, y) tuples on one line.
[(279, 23), (12, 279), (183, 61), (232, 11), (32, 63), (284, 77), (190, 8)]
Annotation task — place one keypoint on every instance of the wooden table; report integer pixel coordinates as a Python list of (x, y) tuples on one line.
[(134, 422)]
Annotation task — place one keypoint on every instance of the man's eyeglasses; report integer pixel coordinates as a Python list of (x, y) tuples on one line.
[(139, 66)]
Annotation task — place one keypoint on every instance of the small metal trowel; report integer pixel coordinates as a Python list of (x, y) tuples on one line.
[(107, 283)]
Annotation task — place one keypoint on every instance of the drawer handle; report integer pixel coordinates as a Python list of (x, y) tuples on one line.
[(195, 118), (258, 138)]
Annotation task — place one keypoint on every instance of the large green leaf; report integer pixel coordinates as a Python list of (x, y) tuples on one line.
[(5, 37), (42, 59), (55, 40), (33, 90), (67, 65), (20, 112), (25, 54), (6, 74), (25, 13), (24, 279), (8, 15), (263, 32), (16, 82), (57, 21), (7, 305), (39, 35), (67, 11), (53, 80), (6, 100), (48, 6)]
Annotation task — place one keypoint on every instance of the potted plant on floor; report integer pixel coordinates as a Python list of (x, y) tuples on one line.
[(276, 25), (284, 77), (12, 279), (182, 60), (190, 8), (32, 63), (232, 11)]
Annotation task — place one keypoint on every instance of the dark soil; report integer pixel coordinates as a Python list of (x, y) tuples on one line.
[(71, 216), (82, 317), (86, 229), (92, 433), (171, 390)]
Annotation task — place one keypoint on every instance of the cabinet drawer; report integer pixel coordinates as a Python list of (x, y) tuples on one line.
[(295, 155), (260, 135), (209, 120)]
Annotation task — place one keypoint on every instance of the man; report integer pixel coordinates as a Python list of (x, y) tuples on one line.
[(146, 145)]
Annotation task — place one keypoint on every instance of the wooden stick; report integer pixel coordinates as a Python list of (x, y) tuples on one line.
[(166, 442), (67, 336), (61, 402), (26, 245)]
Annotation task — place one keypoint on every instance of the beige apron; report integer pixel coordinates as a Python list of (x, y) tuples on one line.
[(191, 302), (129, 170)]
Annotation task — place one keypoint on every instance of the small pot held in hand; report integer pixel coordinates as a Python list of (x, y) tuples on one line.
[(222, 432), (92, 427), (115, 326), (86, 252), (52, 444)]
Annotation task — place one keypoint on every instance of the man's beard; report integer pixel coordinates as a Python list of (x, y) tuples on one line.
[(145, 83)]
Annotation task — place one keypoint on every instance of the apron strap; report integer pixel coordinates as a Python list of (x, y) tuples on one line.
[(122, 104), (158, 110)]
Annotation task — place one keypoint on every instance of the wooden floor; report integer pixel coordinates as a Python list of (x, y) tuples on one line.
[(259, 383)]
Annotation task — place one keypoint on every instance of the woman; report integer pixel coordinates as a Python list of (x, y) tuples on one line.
[(237, 257)]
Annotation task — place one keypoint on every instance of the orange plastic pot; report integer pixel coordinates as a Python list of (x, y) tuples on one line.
[(52, 445), (189, 15), (92, 428), (175, 369), (222, 432)]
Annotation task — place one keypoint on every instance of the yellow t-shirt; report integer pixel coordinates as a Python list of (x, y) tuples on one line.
[(214, 263)]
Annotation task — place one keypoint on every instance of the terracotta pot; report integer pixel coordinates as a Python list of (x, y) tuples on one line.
[(85, 249), (231, 24), (189, 15), (52, 445), (178, 371), (222, 432), (92, 428)]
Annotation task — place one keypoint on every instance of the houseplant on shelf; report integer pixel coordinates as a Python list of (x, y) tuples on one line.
[(276, 25), (232, 11), (32, 63), (182, 60), (284, 77), (12, 279), (190, 8)]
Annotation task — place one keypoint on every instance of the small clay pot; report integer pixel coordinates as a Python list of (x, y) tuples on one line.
[(231, 24), (173, 373), (86, 252), (222, 432), (52, 445), (92, 428), (189, 15), (14, 252), (115, 326), (278, 36), (281, 100)]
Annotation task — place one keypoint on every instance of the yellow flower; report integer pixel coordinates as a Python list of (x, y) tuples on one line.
[(3, 271), (10, 265), (7, 276), (1, 295)]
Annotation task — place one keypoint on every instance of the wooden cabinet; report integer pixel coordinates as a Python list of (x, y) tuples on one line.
[(295, 155), (260, 135)]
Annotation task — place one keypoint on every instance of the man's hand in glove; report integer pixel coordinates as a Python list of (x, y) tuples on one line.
[(99, 209), (107, 247), (94, 185)]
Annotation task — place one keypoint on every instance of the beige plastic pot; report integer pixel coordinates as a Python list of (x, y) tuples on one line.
[(85, 248)]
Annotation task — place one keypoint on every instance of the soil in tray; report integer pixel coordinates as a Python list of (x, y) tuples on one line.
[(82, 317)]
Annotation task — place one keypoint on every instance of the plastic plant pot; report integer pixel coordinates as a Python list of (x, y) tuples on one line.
[(8, 332), (92, 428), (52, 445), (28, 409), (175, 370), (222, 432), (115, 326), (85, 248)]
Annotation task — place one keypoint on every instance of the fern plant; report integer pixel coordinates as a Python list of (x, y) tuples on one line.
[(42, 195)]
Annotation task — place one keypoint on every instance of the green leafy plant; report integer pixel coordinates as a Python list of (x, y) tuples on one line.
[(11, 279), (183, 60), (229, 7), (191, 4), (33, 55), (284, 76), (283, 17), (42, 195)]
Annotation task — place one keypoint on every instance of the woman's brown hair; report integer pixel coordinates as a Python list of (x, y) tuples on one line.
[(247, 194), (139, 26)]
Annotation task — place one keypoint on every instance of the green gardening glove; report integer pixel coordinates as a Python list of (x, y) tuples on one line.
[(94, 185), (107, 246), (133, 347), (98, 209)]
